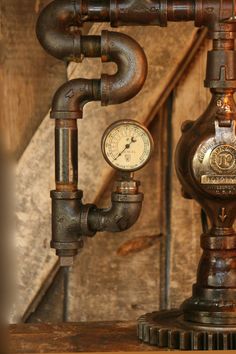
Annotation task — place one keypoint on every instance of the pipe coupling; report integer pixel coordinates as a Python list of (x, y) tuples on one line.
[(68, 222)]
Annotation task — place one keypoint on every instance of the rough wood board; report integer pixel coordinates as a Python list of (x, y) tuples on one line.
[(80, 337), (24, 96), (107, 286), (191, 99), (35, 171)]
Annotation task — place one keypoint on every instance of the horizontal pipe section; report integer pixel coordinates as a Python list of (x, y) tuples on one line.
[(59, 15), (96, 10), (138, 12), (181, 10)]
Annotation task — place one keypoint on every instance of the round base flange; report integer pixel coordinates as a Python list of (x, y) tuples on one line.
[(169, 329)]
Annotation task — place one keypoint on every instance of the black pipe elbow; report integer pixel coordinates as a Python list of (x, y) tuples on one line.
[(122, 215), (69, 100)]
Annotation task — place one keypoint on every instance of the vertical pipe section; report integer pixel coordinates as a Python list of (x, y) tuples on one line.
[(66, 154)]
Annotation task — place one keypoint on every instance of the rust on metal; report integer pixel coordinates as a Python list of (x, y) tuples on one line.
[(60, 15)]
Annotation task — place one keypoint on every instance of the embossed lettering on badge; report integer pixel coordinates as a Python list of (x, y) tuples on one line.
[(223, 159), (214, 163)]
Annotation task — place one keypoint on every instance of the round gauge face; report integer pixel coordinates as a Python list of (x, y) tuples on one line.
[(127, 145)]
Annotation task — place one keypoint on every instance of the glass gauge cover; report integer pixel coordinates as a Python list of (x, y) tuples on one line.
[(127, 145)]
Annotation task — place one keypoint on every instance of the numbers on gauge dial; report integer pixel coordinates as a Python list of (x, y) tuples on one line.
[(127, 145)]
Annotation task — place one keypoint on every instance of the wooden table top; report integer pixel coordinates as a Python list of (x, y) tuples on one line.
[(76, 338)]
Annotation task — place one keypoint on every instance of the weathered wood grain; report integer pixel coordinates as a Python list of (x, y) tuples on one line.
[(36, 167), (81, 337), (190, 101), (28, 75)]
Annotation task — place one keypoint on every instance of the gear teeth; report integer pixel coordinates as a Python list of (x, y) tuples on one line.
[(185, 340), (153, 336), (152, 330), (163, 337), (173, 339)]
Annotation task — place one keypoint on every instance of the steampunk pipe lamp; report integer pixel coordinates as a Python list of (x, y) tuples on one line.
[(205, 156)]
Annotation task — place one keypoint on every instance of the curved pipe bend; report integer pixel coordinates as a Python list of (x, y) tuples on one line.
[(123, 213), (132, 67), (130, 77), (69, 100), (53, 29)]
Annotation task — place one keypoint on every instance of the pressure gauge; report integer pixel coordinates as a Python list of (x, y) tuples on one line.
[(127, 145)]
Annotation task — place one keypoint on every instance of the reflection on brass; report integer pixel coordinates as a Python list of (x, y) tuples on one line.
[(222, 180), (214, 162), (223, 215), (223, 159)]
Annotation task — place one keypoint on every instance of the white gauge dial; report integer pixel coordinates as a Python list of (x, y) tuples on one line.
[(127, 145)]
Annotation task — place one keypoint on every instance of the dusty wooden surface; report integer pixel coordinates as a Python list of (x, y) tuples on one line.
[(24, 96), (36, 168), (80, 337)]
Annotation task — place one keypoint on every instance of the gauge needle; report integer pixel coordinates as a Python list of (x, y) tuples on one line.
[(127, 146)]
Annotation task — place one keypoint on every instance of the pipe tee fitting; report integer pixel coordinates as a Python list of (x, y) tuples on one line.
[(72, 220)]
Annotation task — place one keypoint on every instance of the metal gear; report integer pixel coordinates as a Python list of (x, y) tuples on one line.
[(169, 329)]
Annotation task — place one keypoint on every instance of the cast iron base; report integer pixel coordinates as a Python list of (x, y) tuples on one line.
[(168, 329)]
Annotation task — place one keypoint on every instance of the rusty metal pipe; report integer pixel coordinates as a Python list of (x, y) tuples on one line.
[(123, 213), (131, 68), (53, 29), (58, 31), (69, 100), (59, 15), (131, 74), (180, 10)]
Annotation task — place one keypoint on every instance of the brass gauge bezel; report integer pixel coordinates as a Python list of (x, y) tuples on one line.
[(125, 122)]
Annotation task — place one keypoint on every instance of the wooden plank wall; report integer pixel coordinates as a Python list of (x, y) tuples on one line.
[(24, 97)]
